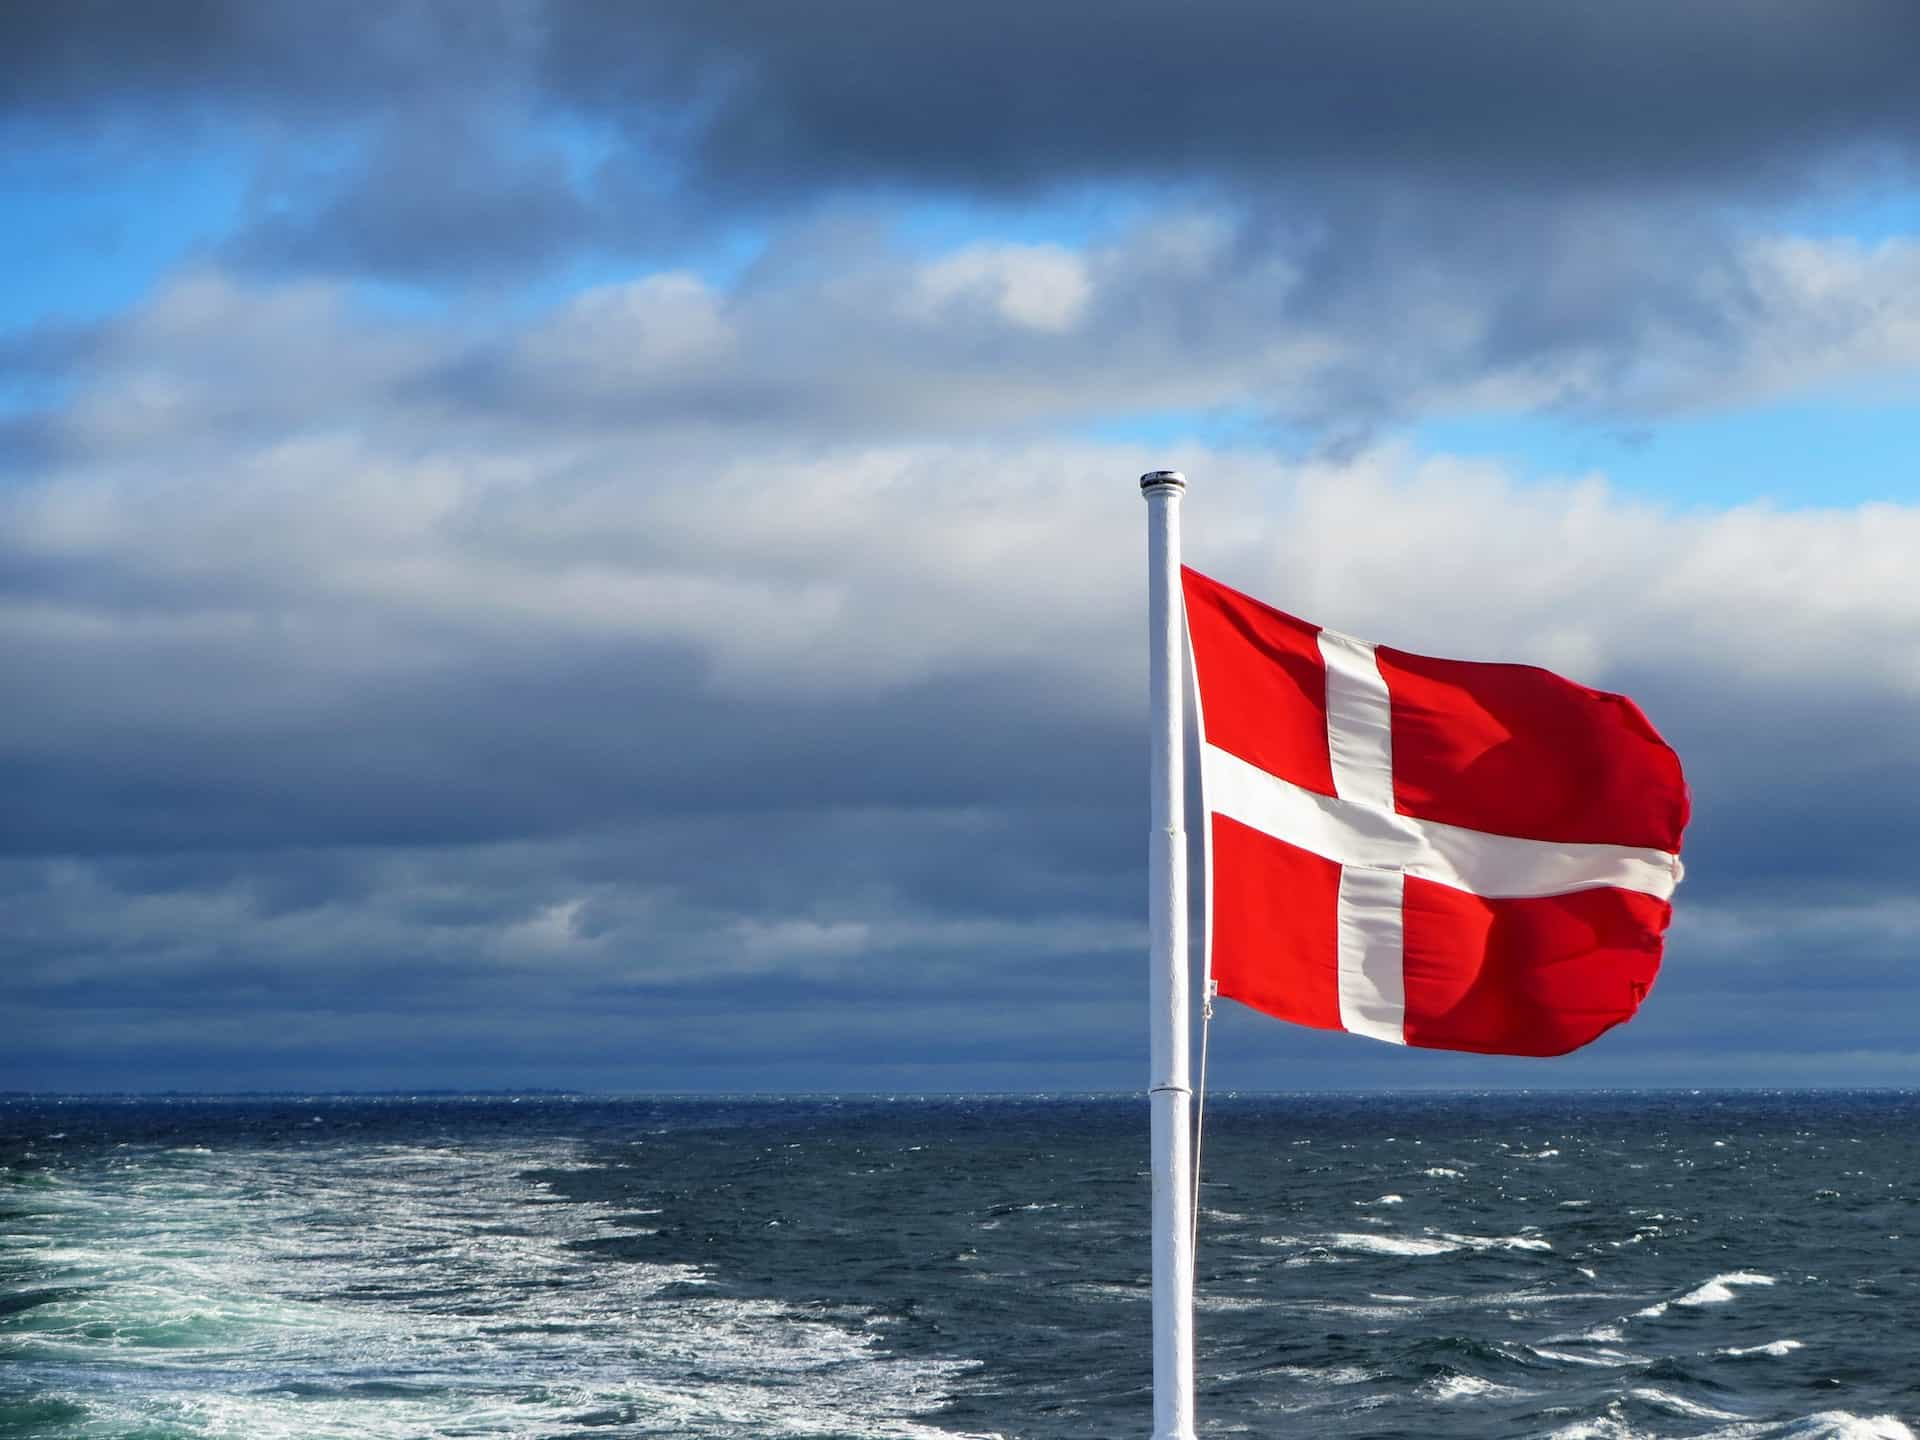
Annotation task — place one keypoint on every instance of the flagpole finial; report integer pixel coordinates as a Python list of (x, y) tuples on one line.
[(1154, 479)]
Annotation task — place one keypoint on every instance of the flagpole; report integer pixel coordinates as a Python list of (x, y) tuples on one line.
[(1169, 1095)]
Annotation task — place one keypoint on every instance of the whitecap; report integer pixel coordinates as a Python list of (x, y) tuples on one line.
[(1501, 1242), (1469, 1387), (1384, 1200), (1841, 1425), (1602, 1358), (1333, 1375), (1775, 1348), (1719, 1290), (1680, 1405), (1442, 1172), (1395, 1244), (1607, 1427)]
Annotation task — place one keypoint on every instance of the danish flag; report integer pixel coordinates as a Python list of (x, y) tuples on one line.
[(1440, 853)]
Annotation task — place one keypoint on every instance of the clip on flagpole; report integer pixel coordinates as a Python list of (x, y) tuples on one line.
[(1169, 1093)]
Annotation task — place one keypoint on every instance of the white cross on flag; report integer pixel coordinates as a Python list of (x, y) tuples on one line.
[(1441, 853)]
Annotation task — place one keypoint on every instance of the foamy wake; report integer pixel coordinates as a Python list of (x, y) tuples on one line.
[(297, 1279)]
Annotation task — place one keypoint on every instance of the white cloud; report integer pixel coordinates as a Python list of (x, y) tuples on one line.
[(637, 332), (406, 543), (1034, 287)]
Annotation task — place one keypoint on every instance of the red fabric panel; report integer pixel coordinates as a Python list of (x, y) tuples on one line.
[(1516, 750), (1263, 685), (1526, 977), (1275, 946)]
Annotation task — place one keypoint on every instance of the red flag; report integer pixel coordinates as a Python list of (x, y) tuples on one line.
[(1440, 853)]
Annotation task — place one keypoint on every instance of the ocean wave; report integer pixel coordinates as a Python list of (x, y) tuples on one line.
[(1441, 1243), (1604, 1427), (1719, 1290), (1823, 1425), (1841, 1425), (1598, 1358), (1393, 1244), (1327, 1375), (1470, 1387), (1680, 1405), (1775, 1348), (1716, 1291)]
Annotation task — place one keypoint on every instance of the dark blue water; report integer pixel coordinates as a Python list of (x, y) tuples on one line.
[(1735, 1266)]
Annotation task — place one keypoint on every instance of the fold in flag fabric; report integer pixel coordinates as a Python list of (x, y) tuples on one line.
[(1442, 853)]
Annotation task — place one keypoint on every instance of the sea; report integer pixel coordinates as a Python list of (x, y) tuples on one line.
[(1574, 1266)]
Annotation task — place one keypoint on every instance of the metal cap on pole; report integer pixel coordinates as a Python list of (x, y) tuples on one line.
[(1167, 974)]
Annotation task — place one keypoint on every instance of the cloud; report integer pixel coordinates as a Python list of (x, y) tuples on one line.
[(201, 60), (449, 144), (837, 332), (350, 701), (1034, 287), (730, 638), (434, 191), (1001, 97)]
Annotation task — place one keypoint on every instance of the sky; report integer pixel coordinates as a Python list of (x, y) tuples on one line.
[(549, 544)]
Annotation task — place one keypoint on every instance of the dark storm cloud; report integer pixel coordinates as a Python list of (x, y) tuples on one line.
[(688, 113), (488, 756), (771, 97), (203, 59), (439, 190), (675, 958), (1009, 95)]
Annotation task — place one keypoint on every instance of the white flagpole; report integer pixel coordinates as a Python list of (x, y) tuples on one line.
[(1167, 977)]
